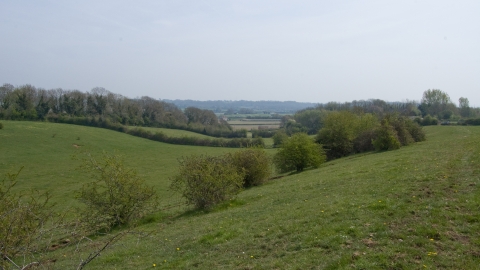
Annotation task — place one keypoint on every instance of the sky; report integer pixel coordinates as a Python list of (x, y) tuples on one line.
[(308, 51)]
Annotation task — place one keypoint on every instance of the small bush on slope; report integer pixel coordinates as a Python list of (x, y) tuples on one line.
[(23, 219), (207, 180), (298, 153), (253, 163), (117, 196)]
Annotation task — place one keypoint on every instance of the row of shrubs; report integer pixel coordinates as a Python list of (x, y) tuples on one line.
[(471, 122), (159, 136), (428, 120), (264, 133), (346, 133)]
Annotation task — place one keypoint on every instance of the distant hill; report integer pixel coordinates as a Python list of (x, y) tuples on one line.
[(225, 105)]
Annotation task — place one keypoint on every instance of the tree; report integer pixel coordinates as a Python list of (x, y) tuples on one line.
[(464, 106), (205, 181), (312, 119), (117, 195), (298, 153), (279, 137), (436, 102)]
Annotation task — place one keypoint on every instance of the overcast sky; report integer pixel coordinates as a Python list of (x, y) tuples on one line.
[(314, 51)]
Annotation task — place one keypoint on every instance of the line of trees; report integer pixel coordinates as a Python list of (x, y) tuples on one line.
[(435, 107), (57, 105)]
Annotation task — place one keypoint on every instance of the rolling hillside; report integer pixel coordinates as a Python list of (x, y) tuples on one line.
[(47, 152), (413, 208)]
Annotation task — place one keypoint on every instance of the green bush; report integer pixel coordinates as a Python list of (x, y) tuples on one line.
[(415, 130), (386, 137), (297, 153), (279, 137), (338, 133), (23, 218), (429, 121), (400, 125), (205, 181), (117, 196), (254, 164), (363, 142)]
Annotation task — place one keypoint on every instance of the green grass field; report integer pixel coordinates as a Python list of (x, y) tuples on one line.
[(46, 152), (413, 208), (249, 124), (177, 132)]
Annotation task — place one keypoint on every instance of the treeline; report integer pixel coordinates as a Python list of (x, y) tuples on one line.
[(58, 105), (434, 108)]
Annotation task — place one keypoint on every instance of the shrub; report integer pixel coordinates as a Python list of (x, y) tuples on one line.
[(205, 181), (117, 196), (22, 221), (297, 153), (264, 133), (338, 134), (429, 121), (399, 123), (386, 137), (472, 122), (415, 131), (279, 137), (363, 142), (254, 164)]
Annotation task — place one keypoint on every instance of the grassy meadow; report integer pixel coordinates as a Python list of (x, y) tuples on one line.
[(249, 124), (414, 208), (177, 132), (47, 152)]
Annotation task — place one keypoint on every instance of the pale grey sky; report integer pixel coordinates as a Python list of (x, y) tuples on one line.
[(314, 51)]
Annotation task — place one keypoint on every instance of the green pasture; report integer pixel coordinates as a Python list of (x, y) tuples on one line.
[(177, 132), (249, 124), (413, 208), (47, 151)]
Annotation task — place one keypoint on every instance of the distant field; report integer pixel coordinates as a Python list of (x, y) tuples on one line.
[(177, 132), (249, 124)]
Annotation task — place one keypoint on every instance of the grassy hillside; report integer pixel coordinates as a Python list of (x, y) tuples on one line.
[(46, 151), (414, 208)]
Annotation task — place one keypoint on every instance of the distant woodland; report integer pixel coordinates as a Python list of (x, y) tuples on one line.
[(103, 108), (100, 106)]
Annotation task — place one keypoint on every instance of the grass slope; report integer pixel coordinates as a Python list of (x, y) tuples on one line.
[(46, 150), (414, 208)]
